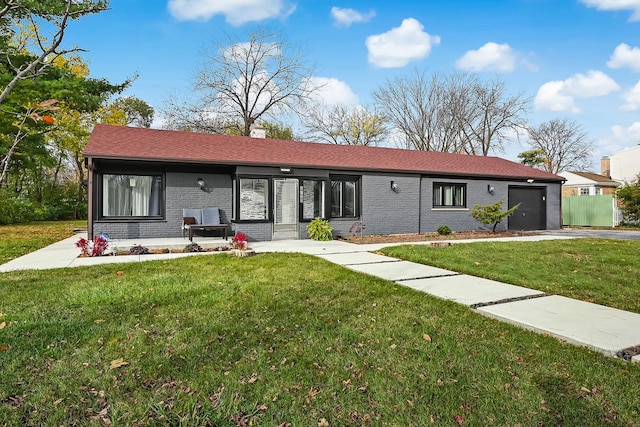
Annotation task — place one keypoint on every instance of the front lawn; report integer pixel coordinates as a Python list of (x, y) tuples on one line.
[(19, 239), (281, 340), (602, 271)]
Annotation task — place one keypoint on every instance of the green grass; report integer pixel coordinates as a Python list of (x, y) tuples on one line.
[(17, 240), (602, 271), (281, 338)]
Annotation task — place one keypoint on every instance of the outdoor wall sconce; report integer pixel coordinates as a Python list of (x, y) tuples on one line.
[(201, 184), (491, 189), (394, 186), (530, 180)]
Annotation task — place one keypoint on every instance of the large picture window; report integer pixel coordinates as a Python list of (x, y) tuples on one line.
[(449, 195), (344, 198), (254, 199), (312, 199), (132, 195)]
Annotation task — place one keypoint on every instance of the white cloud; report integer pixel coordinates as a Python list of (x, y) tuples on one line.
[(632, 99), (620, 139), (595, 83), (399, 46), (490, 57), (550, 97), (632, 5), (559, 95), (333, 92), (346, 17), (236, 12), (625, 56)]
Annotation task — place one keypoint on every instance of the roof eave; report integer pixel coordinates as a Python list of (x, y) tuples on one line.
[(317, 166)]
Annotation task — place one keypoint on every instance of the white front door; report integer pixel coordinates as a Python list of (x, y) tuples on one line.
[(285, 205)]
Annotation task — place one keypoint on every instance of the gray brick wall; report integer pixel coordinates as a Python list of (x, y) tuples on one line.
[(459, 219), (554, 207), (387, 212), (383, 211), (181, 192), (255, 231)]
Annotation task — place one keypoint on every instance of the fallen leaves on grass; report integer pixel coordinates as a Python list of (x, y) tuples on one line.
[(427, 337), (117, 363)]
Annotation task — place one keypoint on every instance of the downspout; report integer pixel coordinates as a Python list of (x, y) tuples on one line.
[(90, 190), (420, 205)]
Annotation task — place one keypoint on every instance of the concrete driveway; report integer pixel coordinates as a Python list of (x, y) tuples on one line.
[(596, 234)]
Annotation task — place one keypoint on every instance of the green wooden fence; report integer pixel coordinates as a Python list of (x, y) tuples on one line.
[(588, 211)]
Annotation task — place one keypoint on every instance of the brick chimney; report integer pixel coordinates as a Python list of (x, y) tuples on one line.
[(605, 167), (258, 131)]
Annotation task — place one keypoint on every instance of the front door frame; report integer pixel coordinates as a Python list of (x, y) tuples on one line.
[(286, 223)]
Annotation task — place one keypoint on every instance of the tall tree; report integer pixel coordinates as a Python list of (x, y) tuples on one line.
[(412, 105), (494, 117), (57, 14), (244, 82), (138, 112), (64, 80), (349, 126), (563, 145), (272, 130), (451, 113), (532, 158), (629, 195)]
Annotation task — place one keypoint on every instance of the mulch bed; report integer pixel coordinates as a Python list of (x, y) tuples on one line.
[(119, 252), (458, 235)]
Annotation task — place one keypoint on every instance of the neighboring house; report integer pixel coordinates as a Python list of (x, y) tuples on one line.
[(141, 179), (624, 166), (587, 184), (588, 199)]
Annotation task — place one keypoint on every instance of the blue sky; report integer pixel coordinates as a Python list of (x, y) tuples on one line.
[(575, 58)]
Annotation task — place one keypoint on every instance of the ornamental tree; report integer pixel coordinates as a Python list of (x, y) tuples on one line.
[(629, 195), (492, 214)]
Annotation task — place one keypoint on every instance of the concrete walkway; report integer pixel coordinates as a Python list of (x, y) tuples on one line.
[(603, 329)]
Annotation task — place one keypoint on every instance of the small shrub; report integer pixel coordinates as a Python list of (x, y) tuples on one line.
[(356, 228), (239, 241), (193, 247), (629, 195), (492, 214), (444, 230), (97, 247), (138, 250), (320, 229)]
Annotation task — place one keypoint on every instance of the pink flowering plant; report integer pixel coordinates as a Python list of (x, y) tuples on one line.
[(239, 241), (97, 247)]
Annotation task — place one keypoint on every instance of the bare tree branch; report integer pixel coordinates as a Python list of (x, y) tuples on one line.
[(244, 82), (73, 9), (347, 126), (453, 113), (564, 145)]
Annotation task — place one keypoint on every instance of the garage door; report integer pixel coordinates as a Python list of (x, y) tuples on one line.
[(532, 212)]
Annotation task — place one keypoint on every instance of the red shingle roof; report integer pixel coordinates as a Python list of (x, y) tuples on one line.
[(118, 142)]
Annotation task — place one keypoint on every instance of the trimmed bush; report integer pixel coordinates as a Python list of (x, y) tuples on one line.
[(444, 230), (320, 229)]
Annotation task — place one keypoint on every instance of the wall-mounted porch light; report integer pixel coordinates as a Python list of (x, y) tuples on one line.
[(201, 184), (394, 186), (285, 170), (530, 180), (491, 189)]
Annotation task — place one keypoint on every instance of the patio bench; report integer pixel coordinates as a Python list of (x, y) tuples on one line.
[(203, 219)]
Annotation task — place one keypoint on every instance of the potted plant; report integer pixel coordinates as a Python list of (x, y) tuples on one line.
[(239, 244)]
